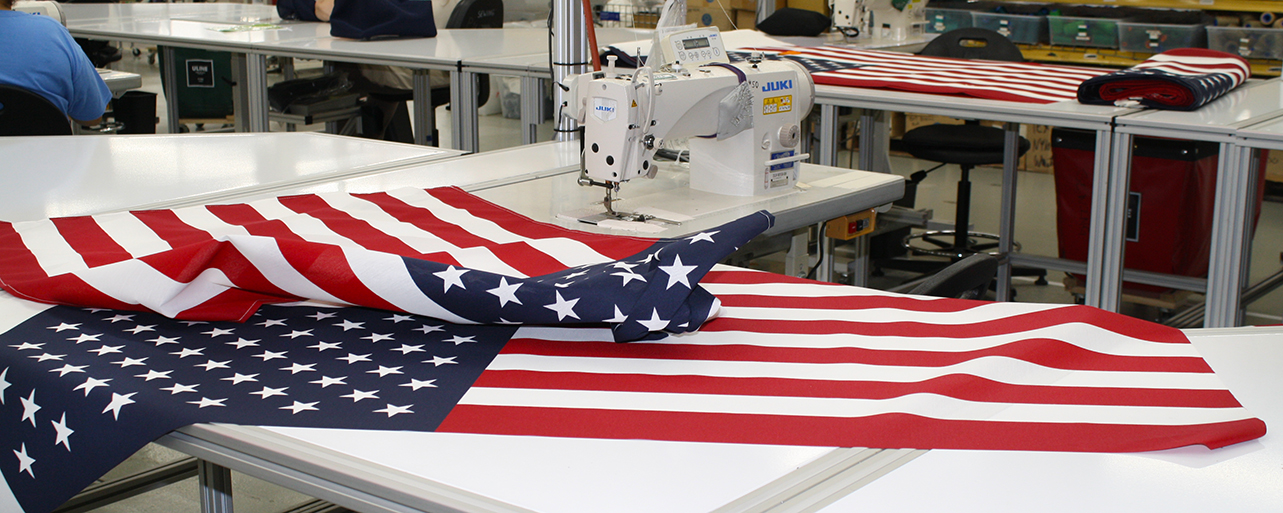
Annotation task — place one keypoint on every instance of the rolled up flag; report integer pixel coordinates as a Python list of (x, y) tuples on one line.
[(1181, 79)]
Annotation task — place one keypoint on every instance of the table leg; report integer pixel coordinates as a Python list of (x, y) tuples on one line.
[(859, 266), (1106, 239), (1231, 237), (828, 151), (254, 90), (215, 487), (170, 69), (425, 120), (531, 103), (1007, 209), (463, 110), (875, 142)]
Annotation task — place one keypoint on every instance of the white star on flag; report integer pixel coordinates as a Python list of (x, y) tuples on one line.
[(151, 374), (299, 406), (29, 408), (217, 332), (398, 318), (704, 236), (654, 323), (326, 381), (269, 392), (677, 272), (358, 395), (160, 341), (353, 358), (179, 388), (383, 371), (450, 277), (376, 337), (89, 384), (140, 328), (85, 337), (349, 325), (438, 361), (416, 384), (460, 340), (117, 402), (62, 433), (64, 326), (24, 461), (205, 401), (505, 292), (395, 410), (563, 307)]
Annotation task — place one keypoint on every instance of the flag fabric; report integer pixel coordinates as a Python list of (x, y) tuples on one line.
[(1025, 82), (441, 253), (786, 361), (1181, 79)]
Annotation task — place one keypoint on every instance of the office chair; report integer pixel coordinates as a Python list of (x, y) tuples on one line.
[(968, 278), (23, 112), (967, 145), (467, 14)]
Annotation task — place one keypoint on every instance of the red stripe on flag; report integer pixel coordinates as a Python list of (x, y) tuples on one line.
[(1049, 353), (1131, 327), (19, 263), (88, 239), (959, 386), (612, 246), (343, 224), (881, 431), (166, 225)]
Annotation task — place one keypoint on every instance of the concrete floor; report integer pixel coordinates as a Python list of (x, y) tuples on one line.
[(1035, 230)]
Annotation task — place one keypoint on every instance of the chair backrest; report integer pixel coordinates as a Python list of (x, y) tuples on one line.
[(476, 14), (470, 14), (973, 43), (23, 112), (968, 278)]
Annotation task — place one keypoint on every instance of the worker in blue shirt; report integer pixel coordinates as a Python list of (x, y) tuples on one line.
[(40, 56)]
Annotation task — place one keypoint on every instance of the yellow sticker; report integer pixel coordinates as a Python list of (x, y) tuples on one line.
[(634, 104), (774, 104)]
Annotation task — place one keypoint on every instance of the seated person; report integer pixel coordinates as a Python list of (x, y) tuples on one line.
[(40, 56), (389, 80)]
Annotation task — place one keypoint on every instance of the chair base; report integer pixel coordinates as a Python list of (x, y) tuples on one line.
[(949, 249)]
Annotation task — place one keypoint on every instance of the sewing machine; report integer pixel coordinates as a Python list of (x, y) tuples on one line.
[(742, 119), (895, 20), (46, 8)]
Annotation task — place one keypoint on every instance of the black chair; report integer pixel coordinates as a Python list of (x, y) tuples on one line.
[(467, 14), (968, 278), (23, 112), (966, 145)]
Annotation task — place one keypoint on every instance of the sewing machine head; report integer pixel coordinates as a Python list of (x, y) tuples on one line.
[(45, 8), (894, 20), (742, 119)]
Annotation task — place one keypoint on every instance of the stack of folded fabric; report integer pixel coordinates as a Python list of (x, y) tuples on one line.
[(1181, 79)]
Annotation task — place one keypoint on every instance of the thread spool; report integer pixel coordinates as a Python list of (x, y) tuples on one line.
[(1227, 21), (1268, 19)]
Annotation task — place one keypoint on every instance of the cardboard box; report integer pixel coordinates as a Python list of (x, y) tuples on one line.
[(820, 6), (745, 19), (1273, 165), (746, 5), (709, 17)]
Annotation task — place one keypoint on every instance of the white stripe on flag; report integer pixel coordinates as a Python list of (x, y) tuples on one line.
[(135, 282), (134, 236), (52, 252), (997, 368), (386, 276), (926, 405)]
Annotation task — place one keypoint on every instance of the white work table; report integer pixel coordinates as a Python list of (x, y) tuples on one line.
[(1103, 260), (1219, 122), (1243, 478), (233, 30), (79, 175)]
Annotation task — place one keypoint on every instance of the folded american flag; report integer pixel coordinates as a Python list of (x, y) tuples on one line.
[(1025, 82), (1181, 79), (441, 253), (787, 361)]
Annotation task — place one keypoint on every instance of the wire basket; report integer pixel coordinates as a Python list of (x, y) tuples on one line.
[(612, 15)]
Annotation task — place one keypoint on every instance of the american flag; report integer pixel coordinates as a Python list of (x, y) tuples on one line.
[(787, 361), (440, 252), (1025, 82), (1181, 79)]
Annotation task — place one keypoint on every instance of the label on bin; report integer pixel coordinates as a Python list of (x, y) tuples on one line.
[(200, 73)]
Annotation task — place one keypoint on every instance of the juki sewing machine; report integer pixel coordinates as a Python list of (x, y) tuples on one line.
[(895, 20), (742, 119)]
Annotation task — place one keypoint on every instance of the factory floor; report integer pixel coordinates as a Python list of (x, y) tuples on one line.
[(1035, 230)]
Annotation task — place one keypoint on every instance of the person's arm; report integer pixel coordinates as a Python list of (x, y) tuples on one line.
[(324, 8)]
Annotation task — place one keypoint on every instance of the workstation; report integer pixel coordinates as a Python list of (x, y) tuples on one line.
[(477, 470)]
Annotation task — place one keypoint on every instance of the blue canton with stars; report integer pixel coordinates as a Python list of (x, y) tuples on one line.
[(81, 390)]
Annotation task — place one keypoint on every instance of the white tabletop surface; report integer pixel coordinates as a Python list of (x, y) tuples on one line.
[(823, 193), (1265, 134), (1219, 120), (213, 11), (62, 176), (1243, 478)]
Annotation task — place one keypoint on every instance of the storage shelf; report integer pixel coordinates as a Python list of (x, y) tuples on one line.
[(1117, 58), (1209, 5)]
